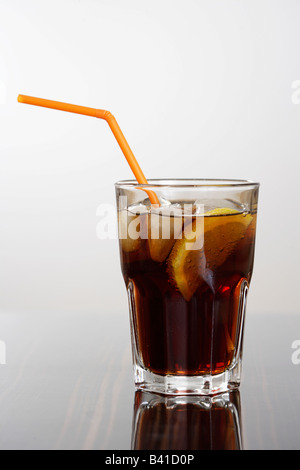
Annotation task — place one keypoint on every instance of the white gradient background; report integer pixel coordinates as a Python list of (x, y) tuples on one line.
[(199, 88)]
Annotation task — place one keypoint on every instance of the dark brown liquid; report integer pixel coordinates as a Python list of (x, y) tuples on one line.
[(171, 425), (200, 335)]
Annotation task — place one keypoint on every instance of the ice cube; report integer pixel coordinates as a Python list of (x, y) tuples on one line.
[(138, 209), (206, 205), (164, 227), (199, 207), (132, 228)]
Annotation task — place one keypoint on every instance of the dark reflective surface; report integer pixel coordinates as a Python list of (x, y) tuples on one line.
[(68, 384), (187, 423)]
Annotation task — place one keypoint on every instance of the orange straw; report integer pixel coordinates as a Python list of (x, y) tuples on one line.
[(101, 114)]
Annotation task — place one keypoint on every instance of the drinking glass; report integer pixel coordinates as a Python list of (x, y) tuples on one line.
[(187, 264)]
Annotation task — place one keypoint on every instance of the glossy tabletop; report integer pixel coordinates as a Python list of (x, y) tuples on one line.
[(67, 383)]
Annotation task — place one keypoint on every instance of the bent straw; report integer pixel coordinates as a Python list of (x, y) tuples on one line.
[(110, 119)]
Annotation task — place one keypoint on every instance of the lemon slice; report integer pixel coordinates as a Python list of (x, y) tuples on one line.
[(188, 266)]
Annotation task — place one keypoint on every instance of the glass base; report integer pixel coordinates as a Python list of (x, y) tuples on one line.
[(188, 385)]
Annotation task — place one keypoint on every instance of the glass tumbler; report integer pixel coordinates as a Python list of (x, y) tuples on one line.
[(187, 264)]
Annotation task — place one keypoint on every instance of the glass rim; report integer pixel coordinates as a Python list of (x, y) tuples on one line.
[(188, 183)]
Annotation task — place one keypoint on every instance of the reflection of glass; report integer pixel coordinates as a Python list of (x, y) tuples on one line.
[(187, 422)]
